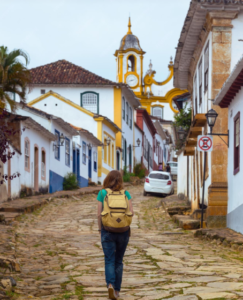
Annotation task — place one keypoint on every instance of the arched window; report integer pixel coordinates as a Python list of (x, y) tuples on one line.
[(131, 63), (90, 101), (158, 112)]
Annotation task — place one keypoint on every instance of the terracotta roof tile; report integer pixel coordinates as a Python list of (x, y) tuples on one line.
[(64, 72)]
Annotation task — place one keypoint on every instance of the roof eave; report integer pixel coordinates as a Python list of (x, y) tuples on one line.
[(194, 21), (128, 92)]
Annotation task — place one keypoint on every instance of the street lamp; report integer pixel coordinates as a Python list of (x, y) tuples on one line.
[(138, 143), (108, 141), (211, 116), (181, 133), (89, 146), (60, 142)]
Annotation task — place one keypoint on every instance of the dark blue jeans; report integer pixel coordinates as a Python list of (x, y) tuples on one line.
[(114, 246)]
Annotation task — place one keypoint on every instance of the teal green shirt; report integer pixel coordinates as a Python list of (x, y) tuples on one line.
[(102, 194)]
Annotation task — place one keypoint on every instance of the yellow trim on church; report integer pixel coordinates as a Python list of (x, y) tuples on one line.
[(168, 98)]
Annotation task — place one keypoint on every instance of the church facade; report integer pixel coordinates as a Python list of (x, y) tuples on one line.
[(156, 97)]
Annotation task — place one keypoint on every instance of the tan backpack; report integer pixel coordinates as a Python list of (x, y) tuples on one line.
[(116, 215)]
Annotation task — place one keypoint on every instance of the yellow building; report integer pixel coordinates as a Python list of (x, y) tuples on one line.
[(156, 97)]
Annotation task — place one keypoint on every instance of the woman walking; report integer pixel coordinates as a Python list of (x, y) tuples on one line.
[(115, 213)]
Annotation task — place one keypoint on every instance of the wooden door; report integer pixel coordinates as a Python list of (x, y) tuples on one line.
[(36, 169)]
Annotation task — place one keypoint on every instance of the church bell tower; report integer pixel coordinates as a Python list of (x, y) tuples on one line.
[(129, 61)]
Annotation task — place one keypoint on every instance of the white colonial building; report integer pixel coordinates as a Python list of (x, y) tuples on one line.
[(30, 164), (67, 90), (231, 97)]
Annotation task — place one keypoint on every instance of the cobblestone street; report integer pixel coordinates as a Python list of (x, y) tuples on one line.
[(60, 254)]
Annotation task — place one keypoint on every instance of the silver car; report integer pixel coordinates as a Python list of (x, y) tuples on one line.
[(158, 182), (173, 167)]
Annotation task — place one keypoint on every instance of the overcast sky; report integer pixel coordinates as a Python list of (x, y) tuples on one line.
[(87, 32)]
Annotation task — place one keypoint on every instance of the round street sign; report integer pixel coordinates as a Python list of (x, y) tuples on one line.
[(205, 143)]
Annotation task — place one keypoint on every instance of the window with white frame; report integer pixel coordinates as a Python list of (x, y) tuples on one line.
[(158, 112), (206, 67), (200, 81), (127, 112), (27, 154), (95, 161), (90, 101), (123, 108), (130, 121), (67, 152), (43, 165), (195, 94), (84, 153)]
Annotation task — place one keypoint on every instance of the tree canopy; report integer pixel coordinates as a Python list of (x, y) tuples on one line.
[(14, 76)]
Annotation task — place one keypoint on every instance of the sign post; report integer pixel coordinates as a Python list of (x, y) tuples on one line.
[(204, 144)]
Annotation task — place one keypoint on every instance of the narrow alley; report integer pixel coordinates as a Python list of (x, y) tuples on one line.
[(60, 254)]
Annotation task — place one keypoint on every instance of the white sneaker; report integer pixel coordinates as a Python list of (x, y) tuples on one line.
[(111, 292)]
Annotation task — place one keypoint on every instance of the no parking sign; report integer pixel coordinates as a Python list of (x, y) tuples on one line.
[(205, 143)]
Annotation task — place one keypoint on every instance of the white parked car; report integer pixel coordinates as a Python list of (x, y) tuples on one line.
[(158, 182), (173, 167)]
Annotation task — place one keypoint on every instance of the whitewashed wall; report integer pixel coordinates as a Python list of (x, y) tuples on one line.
[(156, 153), (138, 150), (236, 46), (84, 167), (58, 168), (182, 174), (128, 134), (149, 137), (206, 105), (16, 165), (235, 187), (26, 179), (106, 96), (70, 114)]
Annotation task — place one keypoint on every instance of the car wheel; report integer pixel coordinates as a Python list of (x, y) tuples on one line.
[(145, 193)]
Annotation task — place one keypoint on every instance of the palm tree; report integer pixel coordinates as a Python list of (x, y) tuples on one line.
[(14, 76)]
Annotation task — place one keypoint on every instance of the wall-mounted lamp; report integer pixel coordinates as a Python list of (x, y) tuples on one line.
[(211, 116), (59, 142), (138, 143), (167, 140), (108, 141), (181, 133), (89, 146)]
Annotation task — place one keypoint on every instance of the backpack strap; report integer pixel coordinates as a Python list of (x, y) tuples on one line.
[(109, 191)]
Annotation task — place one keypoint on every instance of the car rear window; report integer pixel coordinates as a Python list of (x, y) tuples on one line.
[(159, 176)]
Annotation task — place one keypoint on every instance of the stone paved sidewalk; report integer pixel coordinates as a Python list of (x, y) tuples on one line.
[(60, 254), (224, 236)]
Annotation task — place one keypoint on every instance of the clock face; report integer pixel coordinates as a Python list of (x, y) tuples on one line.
[(132, 80)]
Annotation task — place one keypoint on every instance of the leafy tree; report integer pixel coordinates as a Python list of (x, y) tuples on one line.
[(7, 133), (14, 79), (14, 76), (183, 118)]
